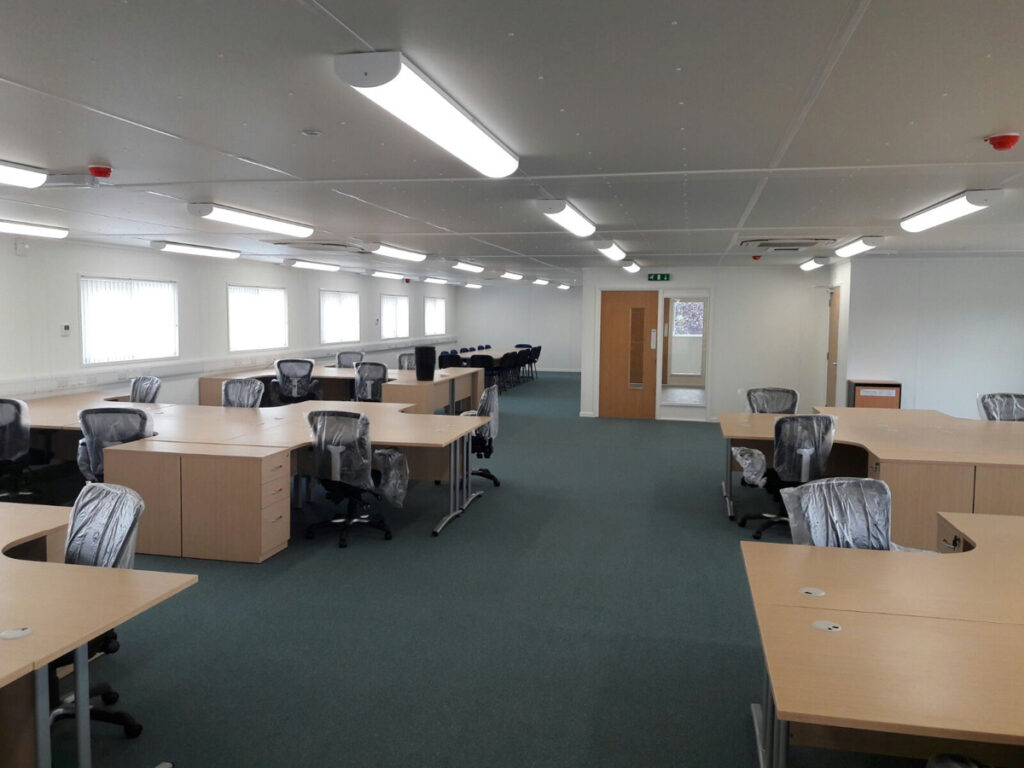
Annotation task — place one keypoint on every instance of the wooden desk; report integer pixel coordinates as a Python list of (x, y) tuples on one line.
[(65, 606), (910, 672), (929, 460)]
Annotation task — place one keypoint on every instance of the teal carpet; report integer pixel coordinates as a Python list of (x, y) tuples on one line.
[(592, 611)]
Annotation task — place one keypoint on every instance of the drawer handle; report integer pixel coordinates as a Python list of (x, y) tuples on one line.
[(276, 518), (274, 469), (953, 545), (277, 492)]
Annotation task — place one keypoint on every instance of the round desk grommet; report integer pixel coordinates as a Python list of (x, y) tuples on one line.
[(812, 591), (826, 626)]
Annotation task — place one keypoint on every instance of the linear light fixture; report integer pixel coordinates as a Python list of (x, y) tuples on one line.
[(381, 249), (817, 261), (319, 266), (610, 249), (32, 230), (966, 202), (540, 281), (194, 250), (435, 280), (567, 217), (390, 80), (511, 275), (17, 175), (859, 246), (563, 287), (467, 267), (388, 275), (473, 285), (631, 266), (239, 218)]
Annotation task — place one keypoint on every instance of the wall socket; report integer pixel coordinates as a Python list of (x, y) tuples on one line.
[(65, 329)]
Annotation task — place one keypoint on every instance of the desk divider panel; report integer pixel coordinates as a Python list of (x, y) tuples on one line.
[(157, 478)]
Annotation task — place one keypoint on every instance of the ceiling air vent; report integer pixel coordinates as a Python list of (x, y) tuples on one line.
[(326, 246), (787, 244)]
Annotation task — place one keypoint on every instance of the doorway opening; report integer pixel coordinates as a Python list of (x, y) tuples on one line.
[(684, 352)]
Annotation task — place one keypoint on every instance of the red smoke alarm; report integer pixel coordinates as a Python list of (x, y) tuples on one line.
[(100, 171), (1003, 141)]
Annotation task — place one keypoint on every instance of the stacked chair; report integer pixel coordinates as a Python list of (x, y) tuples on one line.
[(294, 382)]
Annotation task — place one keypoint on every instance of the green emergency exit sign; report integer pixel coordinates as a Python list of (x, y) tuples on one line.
[(658, 277)]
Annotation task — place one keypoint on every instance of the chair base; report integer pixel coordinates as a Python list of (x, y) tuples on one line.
[(486, 473), (358, 512)]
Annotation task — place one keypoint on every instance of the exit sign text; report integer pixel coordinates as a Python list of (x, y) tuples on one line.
[(658, 277)]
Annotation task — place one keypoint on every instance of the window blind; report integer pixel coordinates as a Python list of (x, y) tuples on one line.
[(125, 319), (257, 318)]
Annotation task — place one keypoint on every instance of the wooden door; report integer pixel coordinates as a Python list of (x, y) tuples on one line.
[(628, 364), (832, 358)]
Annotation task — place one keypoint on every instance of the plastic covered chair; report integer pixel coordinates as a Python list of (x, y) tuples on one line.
[(103, 427), (241, 393), (294, 382), (349, 359), (845, 512), (145, 389), (482, 443), (407, 361), (772, 400), (370, 378), (1002, 406), (753, 464)]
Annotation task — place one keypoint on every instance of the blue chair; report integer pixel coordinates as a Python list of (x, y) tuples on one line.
[(463, 349)]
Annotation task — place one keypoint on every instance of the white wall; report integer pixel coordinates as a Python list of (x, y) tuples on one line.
[(39, 292), (768, 326), (506, 315), (946, 327), (840, 277)]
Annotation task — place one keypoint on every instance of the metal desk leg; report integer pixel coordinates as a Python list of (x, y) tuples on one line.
[(451, 398), (727, 483), (467, 474), (82, 705), (763, 715), (454, 508), (781, 743), (42, 685)]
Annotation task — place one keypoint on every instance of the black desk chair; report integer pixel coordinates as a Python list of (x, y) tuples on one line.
[(507, 367), (370, 378), (1002, 406), (487, 363), (241, 393), (14, 446), (349, 359), (522, 364), (101, 533), (772, 400), (145, 389), (294, 382), (407, 361), (482, 442), (449, 360), (103, 427)]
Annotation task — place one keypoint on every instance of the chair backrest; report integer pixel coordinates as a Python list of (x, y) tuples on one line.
[(341, 447), (772, 400), (797, 436), (103, 527), (14, 429), (349, 359), (241, 393), (108, 426), (294, 377), (407, 361), (481, 361), (463, 349), (535, 354), (848, 512), (523, 357), (145, 389), (471, 349), (489, 407), (523, 346), (508, 360), (370, 378), (1002, 406), (449, 361)]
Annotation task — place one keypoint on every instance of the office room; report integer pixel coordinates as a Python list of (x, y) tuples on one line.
[(545, 269)]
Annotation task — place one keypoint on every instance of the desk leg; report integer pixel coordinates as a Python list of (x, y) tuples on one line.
[(467, 475), (454, 508), (727, 483), (42, 685), (770, 733), (82, 705), (451, 398)]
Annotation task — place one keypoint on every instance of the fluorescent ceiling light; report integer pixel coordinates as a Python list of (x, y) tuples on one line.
[(251, 220), (967, 202), (380, 249), (610, 249), (388, 275), (511, 275), (817, 261), (194, 250), (466, 267), (539, 281), (435, 280), (317, 265), (472, 285), (21, 175), (394, 83), (567, 217), (563, 287), (631, 266), (858, 246), (32, 230)]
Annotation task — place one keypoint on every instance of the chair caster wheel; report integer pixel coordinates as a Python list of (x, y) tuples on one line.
[(437, 482), (133, 730), (110, 697), (742, 523), (434, 534), (497, 483), (757, 535)]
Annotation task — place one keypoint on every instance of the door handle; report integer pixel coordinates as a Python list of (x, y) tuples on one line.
[(654, 338)]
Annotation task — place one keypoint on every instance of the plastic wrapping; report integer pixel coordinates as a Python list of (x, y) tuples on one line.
[(370, 377), (145, 389), (349, 359), (407, 361), (394, 475), (295, 379), (1002, 406), (797, 436), (14, 429), (108, 426), (103, 527), (846, 512), (341, 447), (753, 463), (241, 393), (772, 400)]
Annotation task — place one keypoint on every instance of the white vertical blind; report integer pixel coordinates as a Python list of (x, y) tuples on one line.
[(128, 319), (339, 316), (394, 317), (257, 318), (433, 316)]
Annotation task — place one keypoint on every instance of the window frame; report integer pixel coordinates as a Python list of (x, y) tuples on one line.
[(81, 321), (408, 329), (444, 315), (227, 299), (358, 312)]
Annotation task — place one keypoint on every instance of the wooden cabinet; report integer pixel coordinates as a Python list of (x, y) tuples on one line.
[(999, 490), (156, 477), (874, 394)]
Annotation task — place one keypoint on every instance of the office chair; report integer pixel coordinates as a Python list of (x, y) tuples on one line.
[(102, 533), (14, 445), (407, 361), (349, 359), (487, 363), (1001, 406), (370, 378), (471, 349), (802, 448), (534, 357), (102, 427), (463, 350), (507, 366), (772, 400), (482, 443), (294, 382), (241, 393), (343, 463), (145, 389), (522, 364), (449, 360)]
